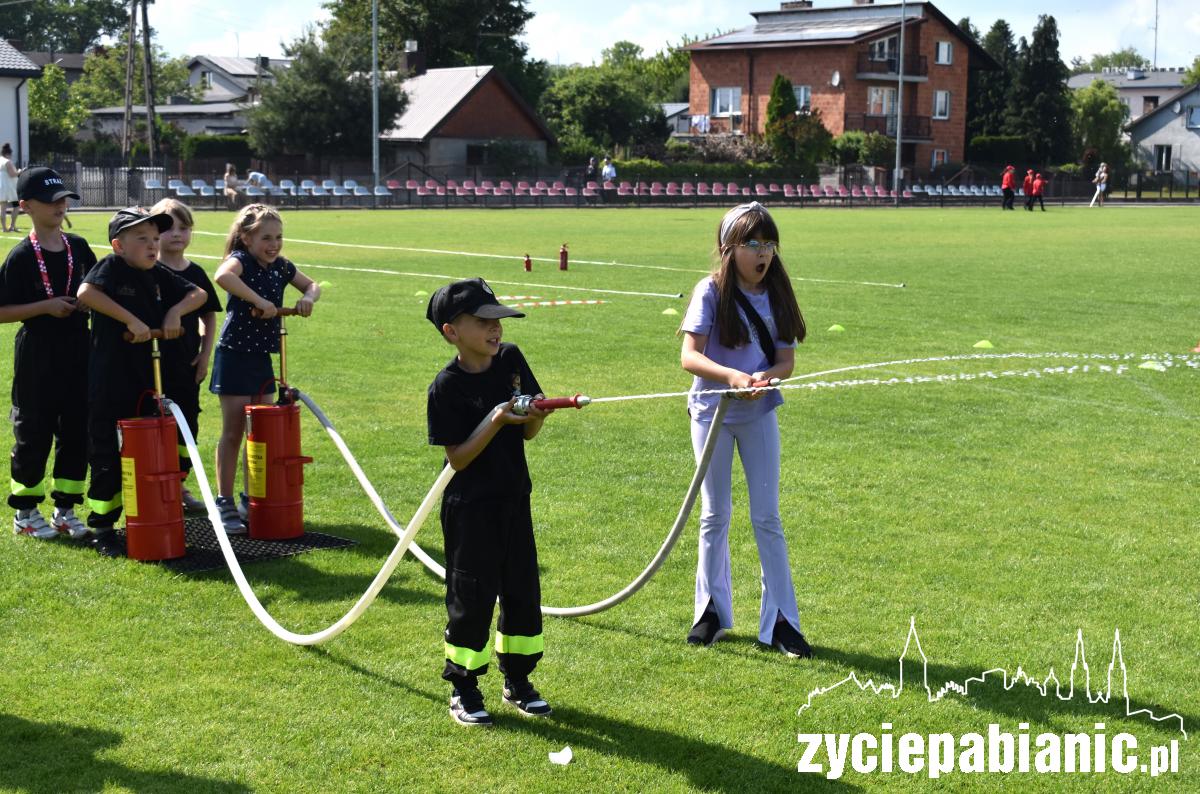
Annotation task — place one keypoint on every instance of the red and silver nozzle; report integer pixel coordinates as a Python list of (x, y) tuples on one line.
[(521, 406)]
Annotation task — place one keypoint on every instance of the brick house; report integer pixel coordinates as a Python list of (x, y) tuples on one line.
[(455, 116), (844, 61)]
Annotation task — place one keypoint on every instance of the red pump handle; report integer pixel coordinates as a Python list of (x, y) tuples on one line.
[(155, 333), (549, 403), (762, 384), (281, 311)]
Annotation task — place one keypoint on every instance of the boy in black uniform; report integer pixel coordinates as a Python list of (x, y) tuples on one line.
[(126, 291), (38, 282), (486, 523)]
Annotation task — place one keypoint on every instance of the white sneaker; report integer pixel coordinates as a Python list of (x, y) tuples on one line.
[(33, 523), (65, 522)]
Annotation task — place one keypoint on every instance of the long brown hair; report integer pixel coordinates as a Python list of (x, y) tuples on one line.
[(789, 322), (250, 218)]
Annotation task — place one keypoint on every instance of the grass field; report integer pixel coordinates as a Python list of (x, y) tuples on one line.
[(1003, 514)]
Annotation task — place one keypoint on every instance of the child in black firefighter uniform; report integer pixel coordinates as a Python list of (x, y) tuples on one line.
[(486, 522), (38, 282), (126, 291)]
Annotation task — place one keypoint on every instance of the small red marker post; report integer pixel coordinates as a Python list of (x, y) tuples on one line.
[(562, 257), (528, 264)]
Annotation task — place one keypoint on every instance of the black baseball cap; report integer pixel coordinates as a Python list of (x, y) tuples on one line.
[(472, 296), (132, 216), (43, 184)]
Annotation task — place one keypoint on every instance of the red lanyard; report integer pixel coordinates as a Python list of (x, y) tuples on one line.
[(37, 251)]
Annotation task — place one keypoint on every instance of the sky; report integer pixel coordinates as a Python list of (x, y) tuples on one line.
[(571, 31)]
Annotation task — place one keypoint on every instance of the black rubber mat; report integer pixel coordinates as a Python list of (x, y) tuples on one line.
[(203, 553)]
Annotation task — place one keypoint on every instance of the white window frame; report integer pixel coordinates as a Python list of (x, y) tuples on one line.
[(1162, 157), (732, 104), (940, 157), (206, 79), (1192, 117), (803, 94), (884, 97), (948, 48), (941, 104), (884, 49)]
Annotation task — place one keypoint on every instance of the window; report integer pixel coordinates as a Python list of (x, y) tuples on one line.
[(476, 154), (206, 79), (940, 157), (1193, 117), (945, 52), (941, 104), (1149, 103), (727, 101), (881, 101), (803, 96), (1162, 157), (885, 49)]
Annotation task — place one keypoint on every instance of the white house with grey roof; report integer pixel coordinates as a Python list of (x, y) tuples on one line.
[(1140, 90), (1167, 139), (15, 72)]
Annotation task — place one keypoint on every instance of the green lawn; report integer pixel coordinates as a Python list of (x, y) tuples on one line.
[(1003, 514)]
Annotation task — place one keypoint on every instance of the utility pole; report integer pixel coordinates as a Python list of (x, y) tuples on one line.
[(127, 121), (1155, 65), (375, 94), (148, 80), (899, 104)]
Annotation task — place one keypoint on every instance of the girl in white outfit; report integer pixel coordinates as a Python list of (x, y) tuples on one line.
[(1101, 182), (8, 190), (724, 347)]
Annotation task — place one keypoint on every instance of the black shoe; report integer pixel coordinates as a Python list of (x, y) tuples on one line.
[(107, 543), (466, 707), (790, 642), (526, 699), (707, 630)]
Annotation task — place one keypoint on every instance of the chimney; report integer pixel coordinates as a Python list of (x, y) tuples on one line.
[(864, 2), (795, 5), (264, 63), (414, 59)]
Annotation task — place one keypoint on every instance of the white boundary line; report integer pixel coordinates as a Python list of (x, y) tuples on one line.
[(549, 259), (309, 266)]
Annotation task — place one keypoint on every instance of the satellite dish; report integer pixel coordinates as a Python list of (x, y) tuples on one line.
[(1177, 107), (835, 79)]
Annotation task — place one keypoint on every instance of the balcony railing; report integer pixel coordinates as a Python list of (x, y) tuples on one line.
[(914, 65), (914, 126)]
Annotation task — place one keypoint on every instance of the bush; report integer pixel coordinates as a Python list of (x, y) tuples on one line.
[(656, 171), (997, 149), (216, 147)]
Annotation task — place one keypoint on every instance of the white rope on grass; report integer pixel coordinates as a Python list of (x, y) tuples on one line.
[(437, 569)]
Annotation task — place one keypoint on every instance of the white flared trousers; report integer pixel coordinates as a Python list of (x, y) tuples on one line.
[(758, 447)]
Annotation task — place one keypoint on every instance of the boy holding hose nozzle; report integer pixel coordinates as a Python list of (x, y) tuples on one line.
[(486, 522), (127, 291)]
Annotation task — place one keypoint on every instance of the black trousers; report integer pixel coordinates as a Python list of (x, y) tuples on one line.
[(490, 555), (1041, 203), (49, 408), (104, 454), (1009, 195)]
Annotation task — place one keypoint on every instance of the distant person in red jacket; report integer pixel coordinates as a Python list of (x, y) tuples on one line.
[(1008, 184), (1027, 189), (1039, 187)]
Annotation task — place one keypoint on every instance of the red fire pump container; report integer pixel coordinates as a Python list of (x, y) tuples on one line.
[(150, 488), (276, 471)]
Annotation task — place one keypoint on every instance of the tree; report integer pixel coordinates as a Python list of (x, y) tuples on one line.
[(662, 77), (1041, 108), (800, 139), (594, 108), (994, 86), (321, 105), (1128, 58), (62, 25), (1192, 75), (103, 81), (781, 106), (448, 32), (51, 103), (972, 101), (1098, 115)]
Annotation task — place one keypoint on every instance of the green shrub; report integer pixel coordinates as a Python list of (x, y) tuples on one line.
[(997, 149)]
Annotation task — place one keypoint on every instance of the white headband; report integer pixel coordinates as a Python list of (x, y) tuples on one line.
[(735, 213)]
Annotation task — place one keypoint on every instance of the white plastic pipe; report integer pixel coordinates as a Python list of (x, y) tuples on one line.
[(588, 609)]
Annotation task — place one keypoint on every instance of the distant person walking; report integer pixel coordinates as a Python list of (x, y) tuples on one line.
[(1008, 184), (609, 172), (590, 173), (1101, 183), (1039, 187), (1027, 189), (8, 190)]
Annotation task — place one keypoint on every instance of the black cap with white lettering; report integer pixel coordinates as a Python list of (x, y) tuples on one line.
[(43, 184)]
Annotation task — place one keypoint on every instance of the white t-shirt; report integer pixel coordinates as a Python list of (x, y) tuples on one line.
[(8, 183)]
